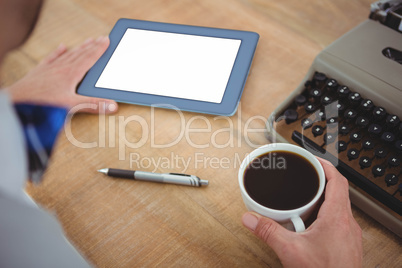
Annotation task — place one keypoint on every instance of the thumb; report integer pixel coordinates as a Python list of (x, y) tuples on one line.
[(84, 104), (271, 232)]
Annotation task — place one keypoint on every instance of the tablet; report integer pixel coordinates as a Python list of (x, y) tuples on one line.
[(190, 68)]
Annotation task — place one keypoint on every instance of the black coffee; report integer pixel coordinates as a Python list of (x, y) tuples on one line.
[(281, 180)]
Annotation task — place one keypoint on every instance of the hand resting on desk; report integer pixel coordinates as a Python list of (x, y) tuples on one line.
[(54, 80), (334, 239)]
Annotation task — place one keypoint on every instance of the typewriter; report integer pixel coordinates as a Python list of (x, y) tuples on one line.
[(348, 110)]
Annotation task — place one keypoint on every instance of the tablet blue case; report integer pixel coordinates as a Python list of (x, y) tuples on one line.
[(234, 88)]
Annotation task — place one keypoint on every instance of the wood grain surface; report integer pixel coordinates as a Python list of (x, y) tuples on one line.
[(122, 223)]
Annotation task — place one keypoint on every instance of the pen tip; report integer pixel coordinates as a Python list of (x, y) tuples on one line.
[(103, 170), (204, 182)]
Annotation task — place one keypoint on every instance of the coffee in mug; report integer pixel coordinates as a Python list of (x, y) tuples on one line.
[(281, 180)]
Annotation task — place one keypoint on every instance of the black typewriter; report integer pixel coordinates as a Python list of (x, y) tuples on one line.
[(348, 110)]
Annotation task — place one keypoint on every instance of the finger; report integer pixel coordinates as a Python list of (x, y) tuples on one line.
[(330, 171), (75, 52), (72, 53), (83, 104), (337, 185), (60, 50), (271, 232), (337, 188), (85, 57), (87, 42)]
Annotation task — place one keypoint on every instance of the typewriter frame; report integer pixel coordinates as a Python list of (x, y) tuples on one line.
[(330, 62)]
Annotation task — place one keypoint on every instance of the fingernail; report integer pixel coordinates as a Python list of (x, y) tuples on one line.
[(89, 40), (112, 107), (325, 161), (101, 39), (250, 221)]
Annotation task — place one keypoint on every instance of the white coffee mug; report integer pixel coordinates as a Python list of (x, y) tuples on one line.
[(295, 216)]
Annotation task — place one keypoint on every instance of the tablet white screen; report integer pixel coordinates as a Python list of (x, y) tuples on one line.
[(169, 64)]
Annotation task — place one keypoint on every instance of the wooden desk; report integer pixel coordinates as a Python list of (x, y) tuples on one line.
[(119, 223)]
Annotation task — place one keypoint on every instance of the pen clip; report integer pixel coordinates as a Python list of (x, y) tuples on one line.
[(180, 174)]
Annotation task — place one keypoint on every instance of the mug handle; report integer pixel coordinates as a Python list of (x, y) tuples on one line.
[(298, 224)]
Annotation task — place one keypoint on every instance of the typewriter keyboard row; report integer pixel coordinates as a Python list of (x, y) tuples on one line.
[(343, 126)]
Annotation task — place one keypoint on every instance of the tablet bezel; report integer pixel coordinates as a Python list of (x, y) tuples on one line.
[(234, 87)]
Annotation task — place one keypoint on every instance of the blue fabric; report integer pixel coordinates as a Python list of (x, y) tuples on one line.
[(41, 125)]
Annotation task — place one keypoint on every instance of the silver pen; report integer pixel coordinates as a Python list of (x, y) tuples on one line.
[(174, 178)]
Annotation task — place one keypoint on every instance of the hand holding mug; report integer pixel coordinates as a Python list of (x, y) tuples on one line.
[(333, 240), (283, 182)]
